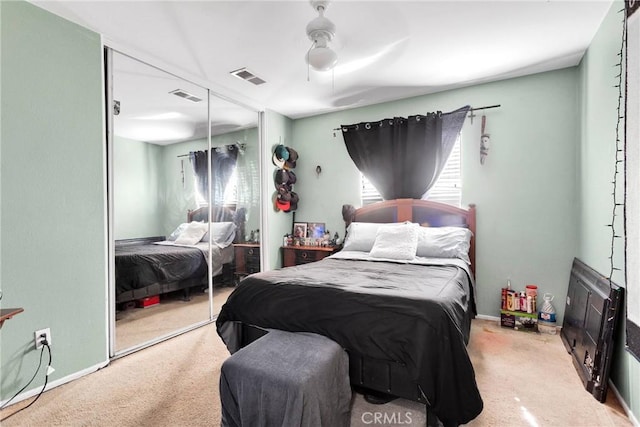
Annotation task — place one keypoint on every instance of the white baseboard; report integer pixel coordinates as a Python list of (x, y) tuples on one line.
[(497, 319), (486, 317), (624, 405), (30, 393)]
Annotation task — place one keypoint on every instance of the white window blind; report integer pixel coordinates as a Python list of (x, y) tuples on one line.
[(448, 188), (230, 192)]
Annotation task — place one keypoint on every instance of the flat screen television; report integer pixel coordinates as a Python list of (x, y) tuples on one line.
[(591, 314)]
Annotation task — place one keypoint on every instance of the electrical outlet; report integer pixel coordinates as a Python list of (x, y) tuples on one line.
[(38, 337)]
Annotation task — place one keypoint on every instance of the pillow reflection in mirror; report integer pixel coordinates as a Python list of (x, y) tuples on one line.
[(221, 233), (192, 234), (174, 235)]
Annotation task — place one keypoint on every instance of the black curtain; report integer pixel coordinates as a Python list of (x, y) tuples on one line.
[(403, 157), (223, 164), (198, 161)]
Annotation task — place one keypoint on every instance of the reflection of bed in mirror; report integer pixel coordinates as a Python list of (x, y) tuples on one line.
[(153, 266), (404, 320)]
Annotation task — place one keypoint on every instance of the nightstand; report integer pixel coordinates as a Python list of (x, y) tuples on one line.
[(296, 255), (247, 259)]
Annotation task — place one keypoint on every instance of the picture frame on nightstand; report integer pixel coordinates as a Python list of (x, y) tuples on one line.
[(315, 230), (300, 230)]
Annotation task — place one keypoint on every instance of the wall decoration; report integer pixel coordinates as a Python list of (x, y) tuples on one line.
[(632, 170), (484, 141), (285, 158)]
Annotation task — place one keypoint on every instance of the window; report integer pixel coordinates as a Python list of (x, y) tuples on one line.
[(448, 188), (230, 192)]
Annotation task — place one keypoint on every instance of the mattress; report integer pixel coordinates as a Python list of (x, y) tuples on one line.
[(159, 267), (413, 317)]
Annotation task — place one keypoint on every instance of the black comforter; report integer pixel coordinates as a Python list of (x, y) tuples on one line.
[(413, 315), (139, 266)]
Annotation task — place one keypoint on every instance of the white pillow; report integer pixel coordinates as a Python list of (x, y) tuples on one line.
[(444, 242), (192, 234), (361, 236), (396, 241), (221, 232), (177, 231)]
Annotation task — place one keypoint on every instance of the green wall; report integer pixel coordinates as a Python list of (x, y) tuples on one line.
[(525, 192), (278, 130), (598, 104), (175, 198), (137, 183), (52, 169)]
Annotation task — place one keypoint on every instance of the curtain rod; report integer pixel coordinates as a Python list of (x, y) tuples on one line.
[(471, 110), (242, 146)]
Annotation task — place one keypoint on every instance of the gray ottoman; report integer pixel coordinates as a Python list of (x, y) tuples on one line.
[(286, 379)]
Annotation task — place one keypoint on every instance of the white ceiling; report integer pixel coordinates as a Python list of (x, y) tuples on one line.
[(386, 49), (149, 112)]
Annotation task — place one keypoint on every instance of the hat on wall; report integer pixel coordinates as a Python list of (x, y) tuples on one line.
[(284, 195), (283, 205), (280, 156), (291, 178), (293, 203), (281, 177), (290, 162)]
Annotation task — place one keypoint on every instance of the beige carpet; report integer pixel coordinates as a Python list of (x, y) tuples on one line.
[(525, 380), (135, 326)]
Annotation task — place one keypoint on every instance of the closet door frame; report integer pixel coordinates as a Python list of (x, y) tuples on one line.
[(108, 51)]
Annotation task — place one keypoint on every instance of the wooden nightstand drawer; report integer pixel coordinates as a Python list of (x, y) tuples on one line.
[(304, 256), (297, 255), (247, 258)]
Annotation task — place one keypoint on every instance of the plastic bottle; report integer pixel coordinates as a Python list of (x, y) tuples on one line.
[(547, 316)]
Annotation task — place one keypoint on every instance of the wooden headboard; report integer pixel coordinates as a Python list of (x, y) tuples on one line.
[(221, 214), (423, 212)]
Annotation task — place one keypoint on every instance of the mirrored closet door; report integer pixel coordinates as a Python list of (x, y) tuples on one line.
[(183, 191)]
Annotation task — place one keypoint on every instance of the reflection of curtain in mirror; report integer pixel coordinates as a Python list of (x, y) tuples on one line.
[(198, 161), (223, 164)]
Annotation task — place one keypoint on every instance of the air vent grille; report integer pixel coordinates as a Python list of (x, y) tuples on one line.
[(244, 74), (186, 95)]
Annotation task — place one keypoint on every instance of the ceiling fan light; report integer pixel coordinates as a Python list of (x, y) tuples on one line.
[(322, 58), (321, 25)]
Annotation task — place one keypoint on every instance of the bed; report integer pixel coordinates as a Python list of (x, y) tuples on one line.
[(158, 265), (404, 323)]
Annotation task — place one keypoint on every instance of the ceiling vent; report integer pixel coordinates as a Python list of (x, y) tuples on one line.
[(244, 74), (186, 95)]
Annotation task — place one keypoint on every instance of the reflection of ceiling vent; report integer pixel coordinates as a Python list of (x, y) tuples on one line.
[(244, 74), (186, 95)]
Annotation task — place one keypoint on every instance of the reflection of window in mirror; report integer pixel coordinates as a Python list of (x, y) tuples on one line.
[(231, 192), (230, 197)]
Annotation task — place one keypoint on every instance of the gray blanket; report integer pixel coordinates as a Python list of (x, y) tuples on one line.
[(286, 379)]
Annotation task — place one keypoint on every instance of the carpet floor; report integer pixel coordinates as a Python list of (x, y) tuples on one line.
[(525, 379)]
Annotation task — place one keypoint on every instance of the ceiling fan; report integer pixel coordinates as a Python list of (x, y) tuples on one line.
[(321, 31)]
